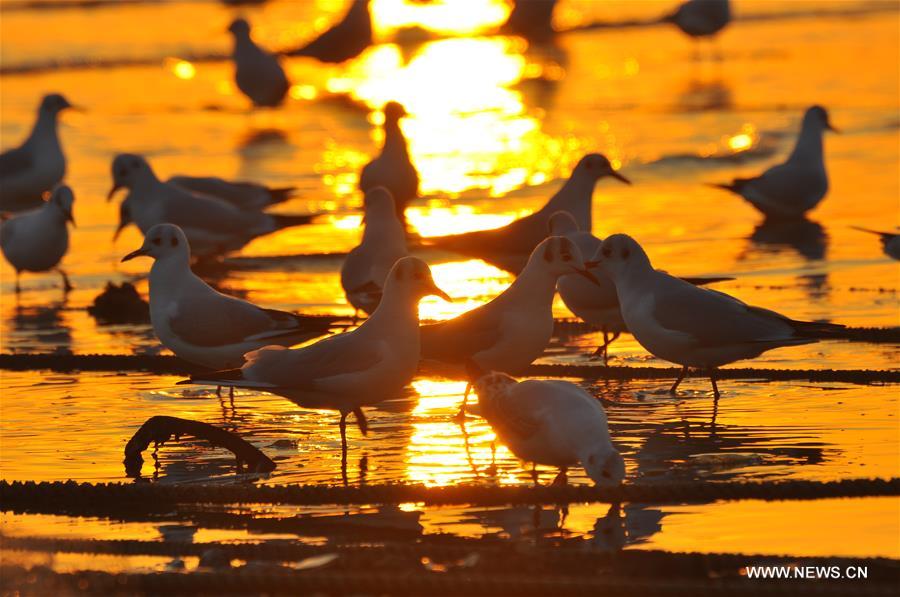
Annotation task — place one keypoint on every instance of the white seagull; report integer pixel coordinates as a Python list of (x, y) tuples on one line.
[(695, 327), (200, 324), (510, 246), (890, 241), (257, 73), (212, 226), (36, 166), (701, 18), (38, 239), (345, 40), (550, 422), (345, 372), (383, 243), (791, 189), (392, 169), (509, 332), (595, 302)]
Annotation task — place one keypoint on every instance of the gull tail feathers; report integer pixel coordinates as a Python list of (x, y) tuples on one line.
[(281, 194), (818, 330), (226, 377), (735, 186), (702, 281), (879, 233)]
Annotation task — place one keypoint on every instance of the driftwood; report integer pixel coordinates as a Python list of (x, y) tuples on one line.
[(158, 430)]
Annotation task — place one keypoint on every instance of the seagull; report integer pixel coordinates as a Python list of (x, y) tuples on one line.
[(257, 73), (509, 332), (212, 226), (532, 19), (695, 327), (550, 422), (345, 372), (392, 168), (383, 244), (701, 18), (241, 194), (36, 240), (36, 166), (345, 40), (595, 302), (890, 241), (791, 189), (200, 324), (509, 247)]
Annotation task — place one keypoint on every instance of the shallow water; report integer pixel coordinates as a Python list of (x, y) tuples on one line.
[(495, 125)]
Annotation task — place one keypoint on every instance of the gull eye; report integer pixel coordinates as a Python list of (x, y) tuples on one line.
[(606, 475), (123, 171), (625, 253), (157, 241), (567, 257), (174, 242), (607, 252), (135, 164)]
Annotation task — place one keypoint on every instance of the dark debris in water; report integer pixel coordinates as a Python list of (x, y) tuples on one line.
[(120, 304)]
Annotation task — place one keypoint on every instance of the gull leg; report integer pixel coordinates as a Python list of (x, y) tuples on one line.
[(67, 286), (361, 420), (219, 391), (534, 473), (231, 399), (461, 415), (562, 479), (679, 380), (18, 287), (715, 386), (601, 350), (343, 427)]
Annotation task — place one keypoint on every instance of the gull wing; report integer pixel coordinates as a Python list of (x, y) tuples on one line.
[(460, 338), (214, 319), (714, 318), (14, 161), (207, 213), (517, 411)]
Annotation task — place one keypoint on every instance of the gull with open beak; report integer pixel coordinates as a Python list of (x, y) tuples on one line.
[(511, 331), (510, 246), (38, 239), (791, 189)]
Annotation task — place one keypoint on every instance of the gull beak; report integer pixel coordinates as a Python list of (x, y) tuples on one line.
[(76, 108), (140, 252), (587, 274), (112, 192), (433, 289), (71, 219), (832, 128), (591, 264), (619, 177)]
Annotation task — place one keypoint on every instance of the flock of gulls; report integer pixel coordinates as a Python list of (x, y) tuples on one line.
[(609, 283)]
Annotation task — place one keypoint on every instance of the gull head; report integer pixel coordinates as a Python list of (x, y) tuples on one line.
[(126, 169), (63, 199), (489, 383), (558, 256), (412, 277), (619, 254), (818, 116), (605, 466), (596, 166), (54, 103), (378, 203), (562, 223), (239, 27), (394, 111), (161, 242)]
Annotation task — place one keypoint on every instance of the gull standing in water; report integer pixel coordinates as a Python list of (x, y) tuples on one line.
[(200, 324), (695, 327), (345, 372), (38, 239), (212, 226), (791, 189), (393, 168), (513, 329), (383, 243), (550, 422), (595, 302), (36, 166), (510, 246), (257, 73), (345, 40), (890, 241)]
